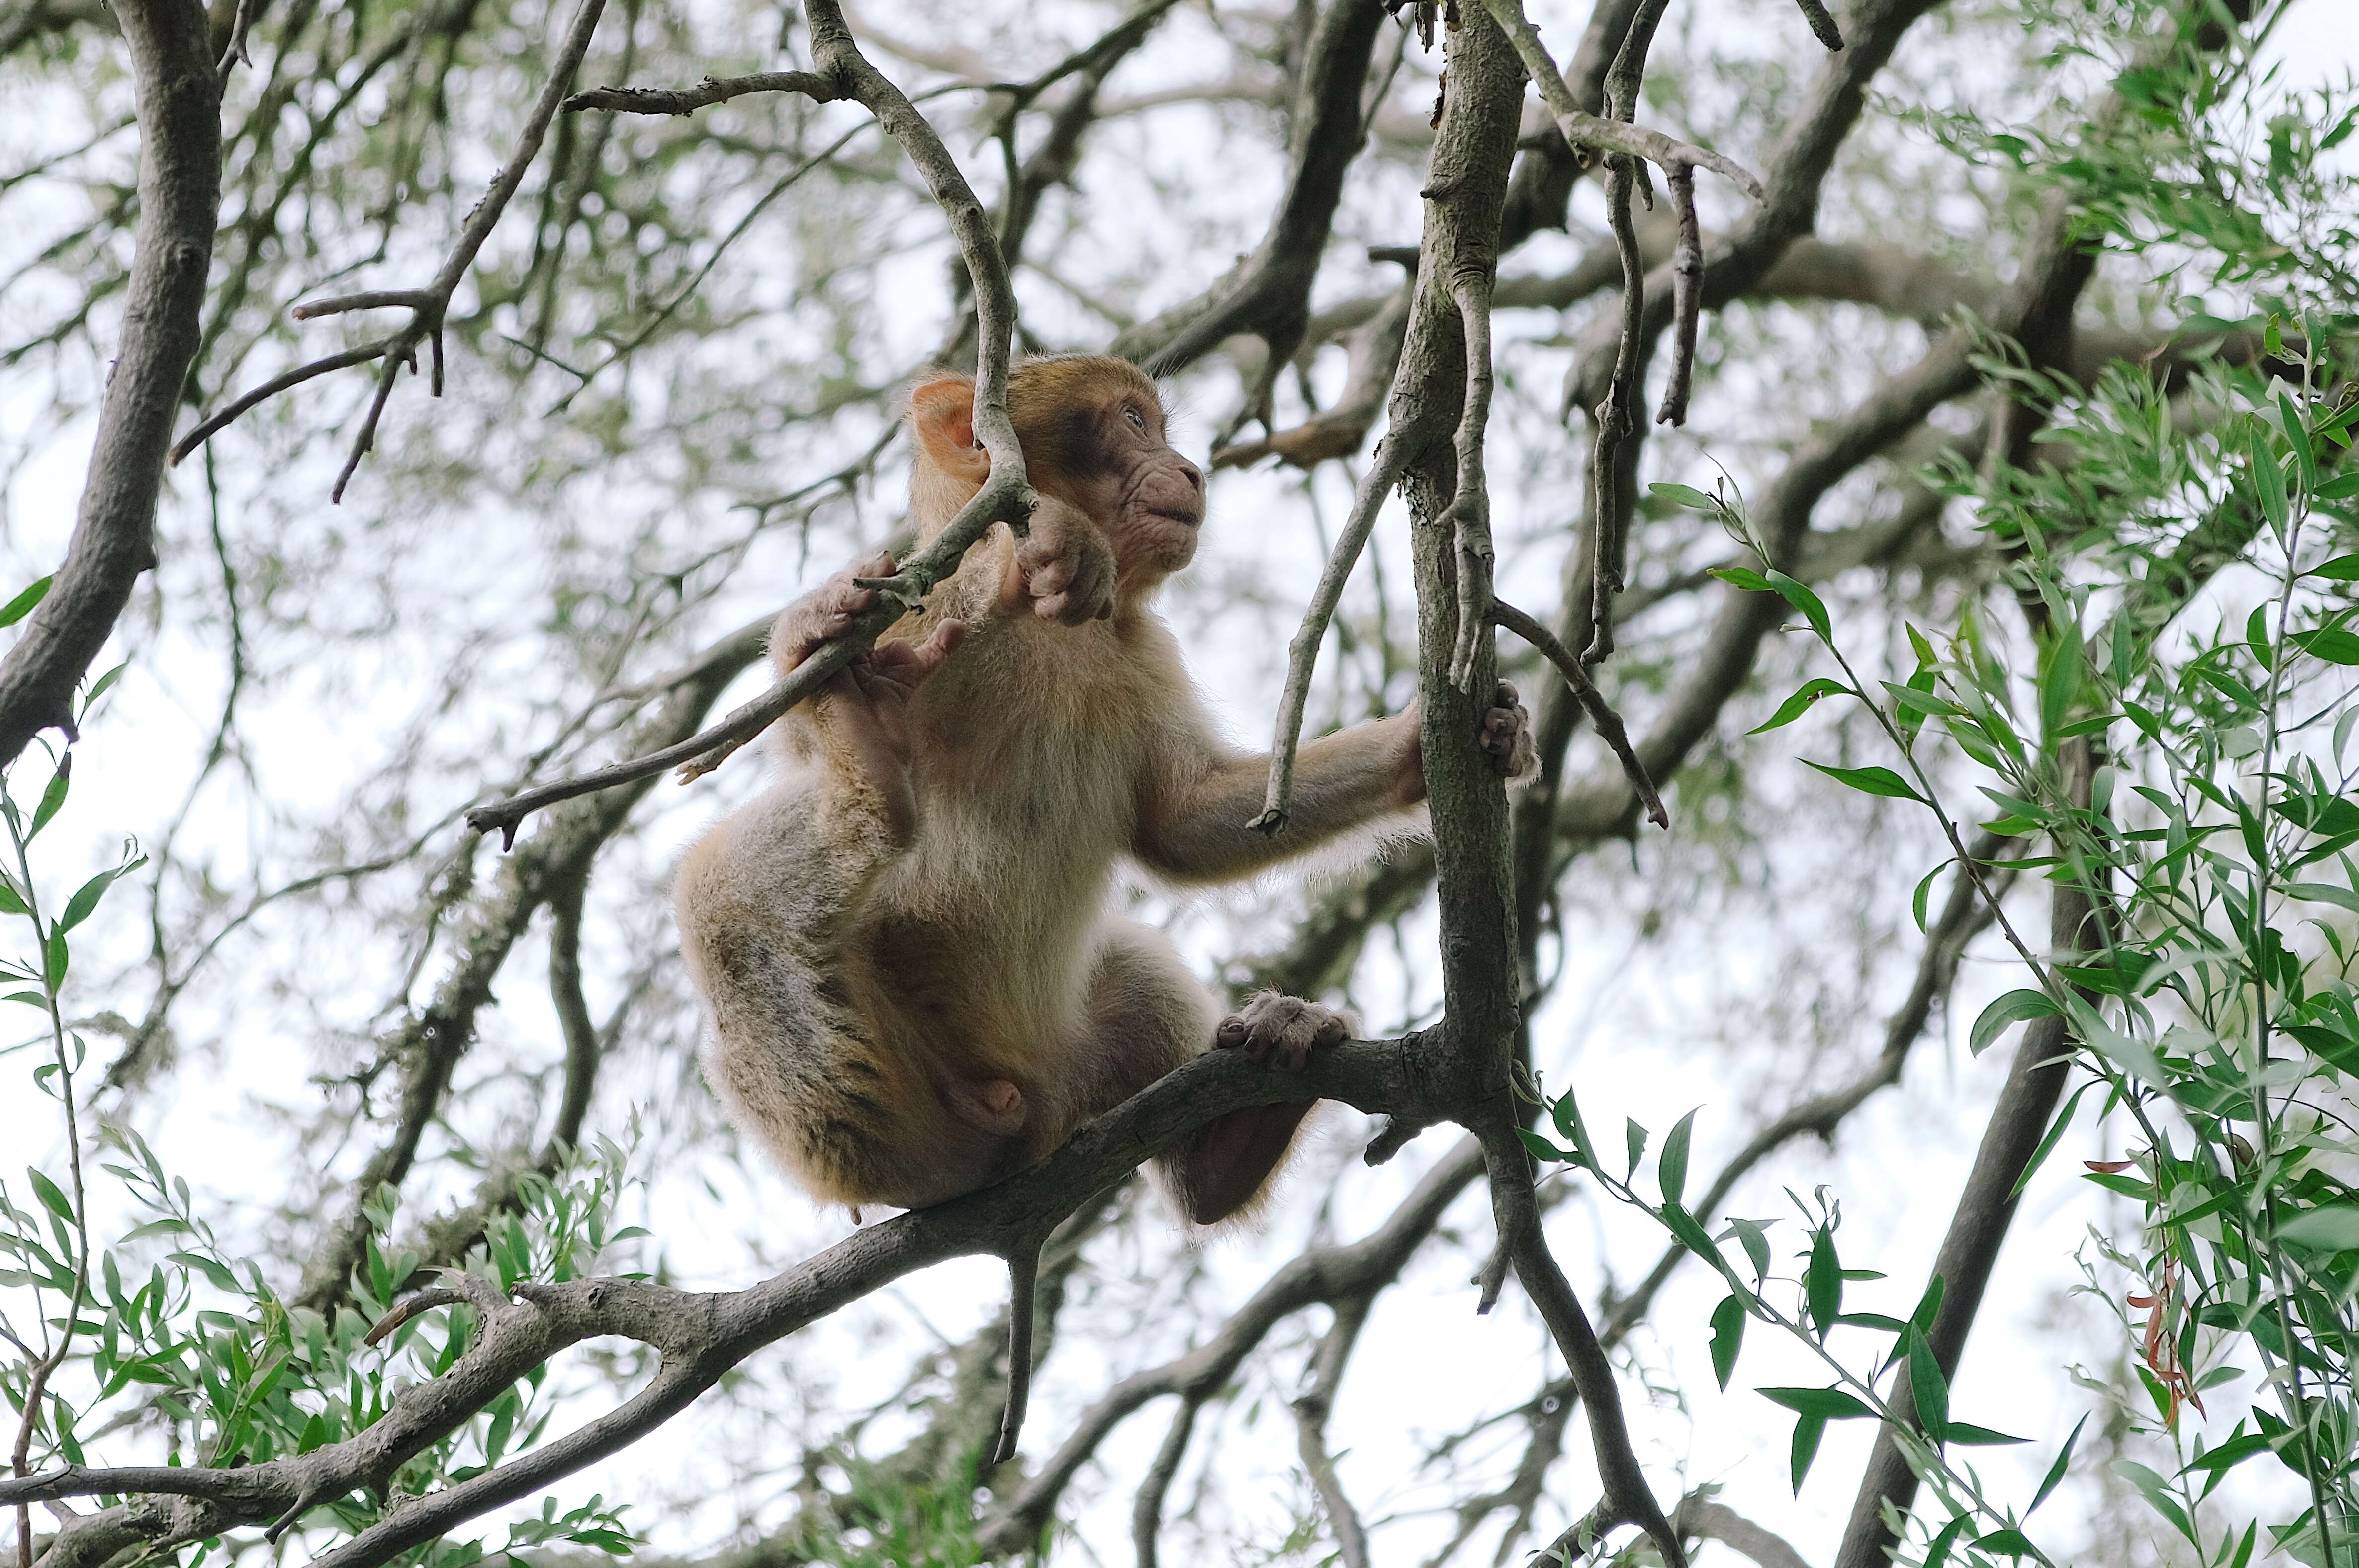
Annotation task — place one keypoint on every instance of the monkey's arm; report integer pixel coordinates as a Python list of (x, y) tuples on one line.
[(1198, 796)]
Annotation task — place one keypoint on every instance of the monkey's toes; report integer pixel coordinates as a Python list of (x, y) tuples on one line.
[(1285, 1028)]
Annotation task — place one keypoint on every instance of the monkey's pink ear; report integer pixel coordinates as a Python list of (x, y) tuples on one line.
[(941, 413)]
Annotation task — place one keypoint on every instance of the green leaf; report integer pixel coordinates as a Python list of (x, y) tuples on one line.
[(2333, 644), (1687, 495), (2048, 1144), (1799, 595), (2269, 479), (2297, 434), (87, 896), (1728, 1339), (1871, 780), (1826, 1404), (2015, 1008), (1930, 1390), (1541, 1148), (2059, 683), (1823, 1283), (1805, 697), (217, 1272), (2334, 1228), (1807, 1429), (18, 608), (1939, 1551), (1671, 1169), (52, 797), (2008, 1542), (53, 1196), (1968, 1435), (1742, 577), (2055, 1475), (1634, 1137), (1924, 891)]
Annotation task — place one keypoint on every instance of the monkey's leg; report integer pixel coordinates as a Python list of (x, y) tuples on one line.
[(1148, 1014)]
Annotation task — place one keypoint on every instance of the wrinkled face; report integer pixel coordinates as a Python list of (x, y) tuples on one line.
[(1093, 436)]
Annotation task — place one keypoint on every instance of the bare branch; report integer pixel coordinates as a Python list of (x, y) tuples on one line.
[(427, 305), (1005, 495), (1146, 1511), (177, 92), (1312, 1407), (818, 88), (1469, 515), (1601, 716), (702, 1336), (1302, 653), (1687, 294), (1268, 292)]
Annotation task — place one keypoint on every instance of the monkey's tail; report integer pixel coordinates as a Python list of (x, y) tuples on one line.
[(1023, 1281)]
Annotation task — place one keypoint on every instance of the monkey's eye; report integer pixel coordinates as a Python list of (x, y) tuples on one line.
[(1138, 421)]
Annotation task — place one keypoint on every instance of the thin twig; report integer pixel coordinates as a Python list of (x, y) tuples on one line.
[(1312, 1407), (1614, 134), (427, 305), (1601, 716), (1146, 1511), (1687, 294), (1004, 497), (1303, 654), (217, 420), (1470, 507), (1822, 23), (712, 90)]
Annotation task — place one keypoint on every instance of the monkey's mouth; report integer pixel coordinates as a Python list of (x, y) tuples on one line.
[(1188, 519)]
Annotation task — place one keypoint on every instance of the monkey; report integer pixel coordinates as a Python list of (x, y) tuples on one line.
[(915, 982)]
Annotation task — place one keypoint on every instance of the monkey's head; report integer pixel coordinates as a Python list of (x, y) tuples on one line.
[(1092, 430)]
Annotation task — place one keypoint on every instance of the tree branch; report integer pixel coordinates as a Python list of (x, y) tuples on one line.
[(178, 92), (1004, 497), (427, 306)]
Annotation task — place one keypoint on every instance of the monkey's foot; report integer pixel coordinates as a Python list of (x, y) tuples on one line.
[(1287, 1028)]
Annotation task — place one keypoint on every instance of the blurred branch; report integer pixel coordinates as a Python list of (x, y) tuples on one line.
[(1268, 292), (427, 1046), (2027, 1102), (428, 305), (177, 92), (1320, 1275), (1312, 1407)]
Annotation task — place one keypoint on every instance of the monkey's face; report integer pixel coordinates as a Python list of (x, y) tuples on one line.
[(1093, 437), (1114, 463)]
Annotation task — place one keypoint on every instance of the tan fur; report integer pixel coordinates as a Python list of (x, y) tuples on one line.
[(897, 930)]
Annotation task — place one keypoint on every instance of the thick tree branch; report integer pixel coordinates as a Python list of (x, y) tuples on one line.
[(702, 1336), (178, 92)]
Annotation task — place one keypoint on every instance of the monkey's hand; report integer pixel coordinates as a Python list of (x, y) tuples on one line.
[(1272, 1024), (1507, 738), (1064, 566)]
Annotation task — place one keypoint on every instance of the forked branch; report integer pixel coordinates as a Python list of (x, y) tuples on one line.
[(427, 306), (1006, 496)]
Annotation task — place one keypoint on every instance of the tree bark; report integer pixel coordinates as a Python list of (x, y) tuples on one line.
[(179, 95)]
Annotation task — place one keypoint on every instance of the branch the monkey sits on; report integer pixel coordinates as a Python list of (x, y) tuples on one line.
[(916, 981)]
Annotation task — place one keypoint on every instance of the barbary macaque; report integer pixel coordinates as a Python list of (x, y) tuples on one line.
[(916, 981)]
